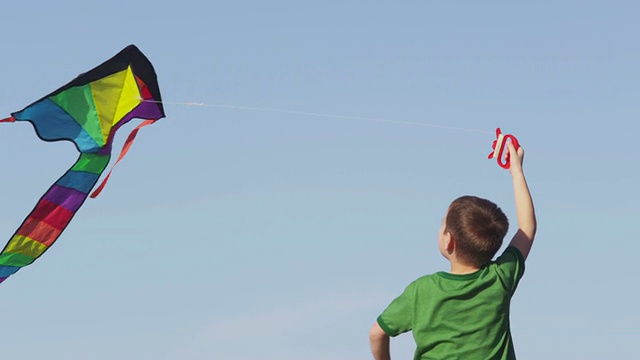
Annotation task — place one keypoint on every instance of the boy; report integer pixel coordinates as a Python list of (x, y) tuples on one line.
[(464, 314)]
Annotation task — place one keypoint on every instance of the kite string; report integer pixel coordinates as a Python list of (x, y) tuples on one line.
[(297, 112)]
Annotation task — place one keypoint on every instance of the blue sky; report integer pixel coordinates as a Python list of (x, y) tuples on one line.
[(231, 233)]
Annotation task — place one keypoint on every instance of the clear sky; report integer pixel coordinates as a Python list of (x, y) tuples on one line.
[(229, 233)]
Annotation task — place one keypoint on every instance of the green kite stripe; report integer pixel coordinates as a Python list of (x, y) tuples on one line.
[(92, 163), (83, 112), (15, 259)]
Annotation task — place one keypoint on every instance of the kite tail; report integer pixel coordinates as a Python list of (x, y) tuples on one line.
[(52, 214)]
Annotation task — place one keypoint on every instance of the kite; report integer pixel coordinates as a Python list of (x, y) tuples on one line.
[(87, 111)]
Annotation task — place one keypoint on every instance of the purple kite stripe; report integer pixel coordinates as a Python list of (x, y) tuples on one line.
[(3, 279), (147, 110), (69, 199)]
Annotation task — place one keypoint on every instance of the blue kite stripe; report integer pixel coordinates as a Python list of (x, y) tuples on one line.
[(53, 123), (78, 180), (8, 270)]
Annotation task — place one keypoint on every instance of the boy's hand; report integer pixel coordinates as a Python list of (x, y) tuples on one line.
[(516, 157)]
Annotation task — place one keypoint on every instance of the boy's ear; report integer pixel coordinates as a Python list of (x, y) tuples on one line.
[(450, 243)]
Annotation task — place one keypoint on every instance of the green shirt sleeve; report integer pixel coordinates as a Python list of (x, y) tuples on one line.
[(510, 268), (397, 318)]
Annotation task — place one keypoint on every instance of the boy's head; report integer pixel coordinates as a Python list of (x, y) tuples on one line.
[(476, 228)]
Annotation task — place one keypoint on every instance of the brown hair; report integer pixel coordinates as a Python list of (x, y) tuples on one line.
[(478, 227)]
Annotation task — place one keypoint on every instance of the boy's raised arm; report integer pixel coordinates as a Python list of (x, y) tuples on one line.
[(523, 239)]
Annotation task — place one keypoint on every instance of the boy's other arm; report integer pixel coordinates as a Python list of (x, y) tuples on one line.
[(523, 239), (379, 343)]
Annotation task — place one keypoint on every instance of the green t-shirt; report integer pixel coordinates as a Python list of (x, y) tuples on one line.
[(459, 316)]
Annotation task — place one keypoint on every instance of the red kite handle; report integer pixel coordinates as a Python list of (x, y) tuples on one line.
[(499, 146)]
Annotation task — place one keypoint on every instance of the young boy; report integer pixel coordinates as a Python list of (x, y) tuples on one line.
[(464, 313)]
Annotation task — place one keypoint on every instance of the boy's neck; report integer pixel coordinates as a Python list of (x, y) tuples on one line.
[(462, 269)]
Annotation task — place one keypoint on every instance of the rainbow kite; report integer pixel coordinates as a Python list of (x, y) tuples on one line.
[(87, 111)]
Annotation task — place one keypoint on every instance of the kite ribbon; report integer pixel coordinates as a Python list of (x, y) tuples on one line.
[(125, 149)]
